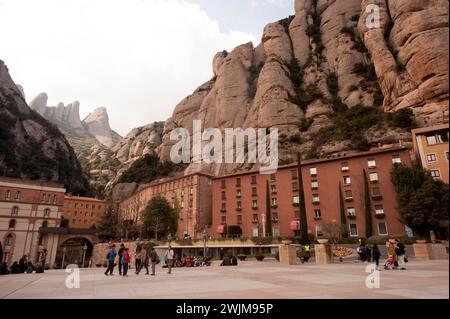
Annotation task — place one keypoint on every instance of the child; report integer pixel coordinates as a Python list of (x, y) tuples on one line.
[(389, 263)]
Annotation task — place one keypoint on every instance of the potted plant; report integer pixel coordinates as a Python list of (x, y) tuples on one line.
[(259, 257), (242, 257)]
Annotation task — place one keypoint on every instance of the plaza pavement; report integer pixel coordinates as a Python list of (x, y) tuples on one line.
[(250, 280)]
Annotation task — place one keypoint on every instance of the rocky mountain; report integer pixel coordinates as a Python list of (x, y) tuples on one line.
[(30, 146), (327, 81)]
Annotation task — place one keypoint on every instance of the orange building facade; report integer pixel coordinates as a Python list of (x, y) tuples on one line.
[(431, 149), (83, 212), (191, 193), (240, 199)]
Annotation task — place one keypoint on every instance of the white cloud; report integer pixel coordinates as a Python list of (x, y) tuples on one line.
[(137, 58), (278, 3)]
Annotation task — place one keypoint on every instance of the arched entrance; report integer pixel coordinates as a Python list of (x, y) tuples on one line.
[(73, 249)]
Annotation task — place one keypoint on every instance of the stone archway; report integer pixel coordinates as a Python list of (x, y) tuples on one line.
[(72, 249)]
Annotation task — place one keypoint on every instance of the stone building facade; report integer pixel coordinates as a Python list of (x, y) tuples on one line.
[(25, 207), (83, 212), (192, 193)]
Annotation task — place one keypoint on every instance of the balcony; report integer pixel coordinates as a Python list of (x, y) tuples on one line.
[(255, 207), (223, 210), (349, 199), (380, 215), (316, 201), (377, 197), (255, 221), (317, 217), (345, 169), (351, 216), (239, 209), (275, 219), (274, 206)]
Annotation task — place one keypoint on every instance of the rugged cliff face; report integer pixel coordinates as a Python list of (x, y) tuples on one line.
[(315, 70), (30, 146)]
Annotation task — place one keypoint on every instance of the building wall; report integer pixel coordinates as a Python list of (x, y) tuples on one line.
[(433, 157), (285, 191), (192, 193), (83, 212), (30, 211)]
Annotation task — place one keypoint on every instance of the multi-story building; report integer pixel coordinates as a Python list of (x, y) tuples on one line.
[(26, 206), (192, 195), (83, 212), (240, 199), (431, 149)]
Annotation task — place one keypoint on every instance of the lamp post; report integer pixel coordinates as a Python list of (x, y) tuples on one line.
[(84, 253), (205, 239), (63, 257)]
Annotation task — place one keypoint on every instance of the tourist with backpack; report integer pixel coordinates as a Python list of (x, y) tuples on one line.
[(111, 256)]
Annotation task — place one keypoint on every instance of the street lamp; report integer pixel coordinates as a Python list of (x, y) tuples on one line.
[(64, 255), (205, 239), (84, 253)]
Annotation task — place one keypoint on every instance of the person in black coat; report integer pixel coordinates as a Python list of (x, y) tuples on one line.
[(15, 268), (376, 255)]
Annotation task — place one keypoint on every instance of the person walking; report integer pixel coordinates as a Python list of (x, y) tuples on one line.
[(42, 259), (368, 253), (111, 256), (126, 260), (144, 261), (376, 255), (169, 255), (120, 253), (400, 251), (154, 260), (137, 257)]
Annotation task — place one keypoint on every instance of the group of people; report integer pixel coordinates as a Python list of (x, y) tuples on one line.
[(24, 265), (142, 257), (396, 255), (189, 261)]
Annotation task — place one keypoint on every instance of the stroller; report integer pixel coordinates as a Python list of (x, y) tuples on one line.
[(390, 263)]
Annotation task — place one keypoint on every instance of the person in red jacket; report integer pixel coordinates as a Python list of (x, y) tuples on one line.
[(126, 261)]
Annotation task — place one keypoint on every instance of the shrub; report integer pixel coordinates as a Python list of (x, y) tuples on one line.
[(349, 31), (296, 139), (403, 118), (359, 45), (332, 83), (355, 18), (305, 124)]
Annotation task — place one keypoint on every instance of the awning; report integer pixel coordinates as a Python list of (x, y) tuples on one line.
[(295, 225), (221, 229)]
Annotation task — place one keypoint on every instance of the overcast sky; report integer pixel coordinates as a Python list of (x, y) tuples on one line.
[(138, 58)]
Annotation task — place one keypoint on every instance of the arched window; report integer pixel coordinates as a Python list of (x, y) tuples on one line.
[(45, 223), (17, 195), (15, 211), (8, 194), (12, 223), (47, 212), (9, 240), (54, 199)]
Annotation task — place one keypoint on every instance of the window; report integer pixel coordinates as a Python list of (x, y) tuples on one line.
[(12, 223), (353, 230), (376, 192), (373, 177), (223, 184), (9, 240), (238, 182), (255, 232), (43, 198), (347, 180), (224, 207), (382, 228), (87, 205), (255, 217), (274, 202), (435, 173), (294, 174), (238, 193), (319, 231), (275, 216), (379, 210), (74, 221), (239, 219), (255, 204), (224, 195), (273, 177), (345, 167), (182, 204), (15, 211), (276, 231), (54, 199), (431, 140), (17, 195), (446, 156), (348, 194), (351, 211), (316, 198), (254, 193), (314, 184), (396, 159), (5, 257), (274, 189), (371, 163), (46, 212), (295, 187), (92, 214), (296, 200), (431, 158), (8, 194), (442, 138), (224, 219), (313, 171), (45, 223), (317, 214), (239, 205), (253, 179)]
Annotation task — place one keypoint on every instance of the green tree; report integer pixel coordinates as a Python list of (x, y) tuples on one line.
[(160, 217), (367, 207), (342, 213), (423, 202), (301, 193), (268, 214), (108, 226)]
